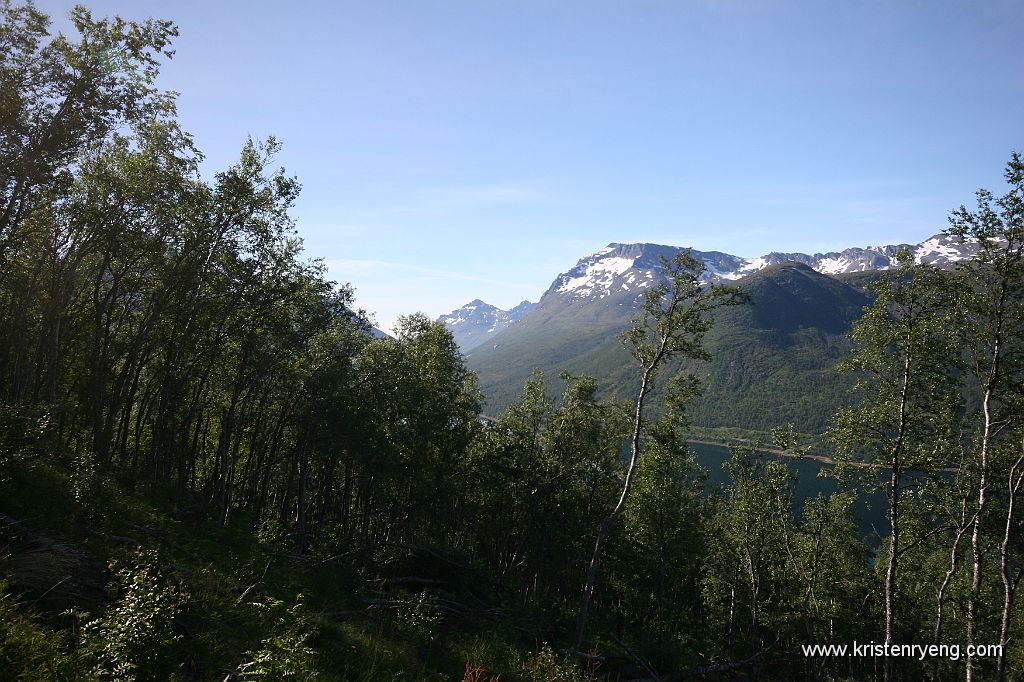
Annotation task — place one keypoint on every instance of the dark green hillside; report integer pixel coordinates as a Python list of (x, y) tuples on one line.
[(790, 297), (772, 361), (555, 336)]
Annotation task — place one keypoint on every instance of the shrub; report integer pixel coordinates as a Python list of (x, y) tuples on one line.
[(134, 639), (286, 653)]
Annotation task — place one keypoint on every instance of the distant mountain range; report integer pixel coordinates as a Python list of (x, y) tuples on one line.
[(772, 361), (633, 267), (475, 322)]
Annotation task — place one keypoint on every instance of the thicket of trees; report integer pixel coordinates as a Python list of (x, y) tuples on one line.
[(162, 339)]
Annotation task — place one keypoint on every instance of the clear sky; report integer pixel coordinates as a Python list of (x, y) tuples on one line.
[(461, 149)]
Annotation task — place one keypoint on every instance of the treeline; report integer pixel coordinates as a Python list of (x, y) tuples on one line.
[(163, 336)]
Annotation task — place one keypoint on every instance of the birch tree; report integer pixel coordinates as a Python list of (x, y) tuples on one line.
[(673, 320), (992, 314), (899, 430)]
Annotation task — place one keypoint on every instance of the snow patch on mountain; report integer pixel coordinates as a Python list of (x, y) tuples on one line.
[(834, 266), (943, 249), (595, 275)]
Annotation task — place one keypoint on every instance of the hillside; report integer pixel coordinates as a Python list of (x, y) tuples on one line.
[(772, 361)]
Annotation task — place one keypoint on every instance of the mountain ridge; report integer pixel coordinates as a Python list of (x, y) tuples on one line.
[(772, 362), (633, 267)]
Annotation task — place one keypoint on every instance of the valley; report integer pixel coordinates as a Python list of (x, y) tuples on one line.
[(773, 361)]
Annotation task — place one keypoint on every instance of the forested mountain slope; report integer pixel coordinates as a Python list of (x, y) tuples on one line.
[(773, 361)]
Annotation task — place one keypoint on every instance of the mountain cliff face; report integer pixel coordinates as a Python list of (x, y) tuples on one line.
[(940, 250), (773, 361)]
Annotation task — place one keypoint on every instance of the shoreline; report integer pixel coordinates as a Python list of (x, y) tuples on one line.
[(766, 449), (777, 452)]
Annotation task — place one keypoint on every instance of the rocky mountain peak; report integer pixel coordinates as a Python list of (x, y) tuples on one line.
[(475, 322)]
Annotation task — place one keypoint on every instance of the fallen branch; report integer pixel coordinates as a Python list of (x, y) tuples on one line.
[(410, 580), (334, 558), (124, 539), (244, 597)]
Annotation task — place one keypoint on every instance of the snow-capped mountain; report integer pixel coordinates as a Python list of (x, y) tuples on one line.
[(617, 275), (786, 343), (475, 322), (621, 268)]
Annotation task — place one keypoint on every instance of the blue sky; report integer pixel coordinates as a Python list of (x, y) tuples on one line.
[(474, 149)]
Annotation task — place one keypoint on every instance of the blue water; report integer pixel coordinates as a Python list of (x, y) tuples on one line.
[(870, 510)]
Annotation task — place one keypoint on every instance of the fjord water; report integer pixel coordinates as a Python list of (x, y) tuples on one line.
[(869, 509)]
